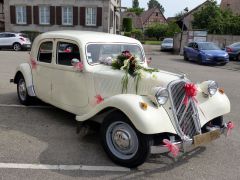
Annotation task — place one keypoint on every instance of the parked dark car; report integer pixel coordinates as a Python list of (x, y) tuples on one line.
[(205, 53), (233, 51)]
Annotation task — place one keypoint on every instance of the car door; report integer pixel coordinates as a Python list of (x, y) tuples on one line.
[(195, 52), (69, 90), (42, 70), (190, 51), (4, 39)]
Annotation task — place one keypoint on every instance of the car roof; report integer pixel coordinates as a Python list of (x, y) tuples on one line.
[(89, 36)]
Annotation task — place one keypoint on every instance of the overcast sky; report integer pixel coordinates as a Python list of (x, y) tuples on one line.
[(171, 6)]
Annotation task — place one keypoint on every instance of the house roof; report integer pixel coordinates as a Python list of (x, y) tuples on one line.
[(146, 14), (233, 5)]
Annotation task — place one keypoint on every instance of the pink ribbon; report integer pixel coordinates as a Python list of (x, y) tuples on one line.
[(171, 147), (190, 92), (230, 127), (33, 64), (99, 99), (79, 66)]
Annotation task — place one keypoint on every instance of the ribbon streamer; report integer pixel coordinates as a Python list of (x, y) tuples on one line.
[(190, 92), (79, 66), (33, 64), (99, 99), (171, 147)]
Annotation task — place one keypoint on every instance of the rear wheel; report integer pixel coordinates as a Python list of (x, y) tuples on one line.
[(238, 57), (199, 60), (17, 47), (122, 142), (23, 96)]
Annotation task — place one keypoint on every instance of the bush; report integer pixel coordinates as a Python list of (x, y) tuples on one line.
[(127, 24), (128, 34), (137, 33), (31, 34)]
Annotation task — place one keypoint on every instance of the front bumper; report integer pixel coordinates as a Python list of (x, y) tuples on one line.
[(189, 144)]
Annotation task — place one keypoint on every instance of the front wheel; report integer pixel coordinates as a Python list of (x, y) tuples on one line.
[(23, 96), (122, 142), (185, 56)]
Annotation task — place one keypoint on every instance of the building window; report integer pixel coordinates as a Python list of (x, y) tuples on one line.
[(21, 15), (44, 14), (67, 15), (156, 14), (91, 16)]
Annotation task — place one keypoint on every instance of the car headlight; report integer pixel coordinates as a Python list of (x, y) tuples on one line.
[(162, 96), (212, 87)]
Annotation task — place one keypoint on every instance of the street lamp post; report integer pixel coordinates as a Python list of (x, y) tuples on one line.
[(185, 11)]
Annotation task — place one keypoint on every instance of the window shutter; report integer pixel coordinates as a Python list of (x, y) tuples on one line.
[(52, 15), (13, 14), (82, 16), (59, 15), (75, 16), (36, 14), (99, 16), (29, 14)]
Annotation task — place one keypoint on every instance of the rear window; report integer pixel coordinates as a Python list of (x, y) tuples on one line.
[(24, 35)]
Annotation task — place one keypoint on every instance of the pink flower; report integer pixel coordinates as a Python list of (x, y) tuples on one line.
[(171, 147), (79, 66), (33, 63)]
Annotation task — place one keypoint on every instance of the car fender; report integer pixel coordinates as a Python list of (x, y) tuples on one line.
[(210, 107), (25, 70), (153, 120)]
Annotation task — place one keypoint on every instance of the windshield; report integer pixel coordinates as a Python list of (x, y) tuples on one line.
[(97, 53), (208, 46), (168, 41)]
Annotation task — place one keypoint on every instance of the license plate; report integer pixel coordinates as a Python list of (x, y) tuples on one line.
[(28, 45), (205, 138)]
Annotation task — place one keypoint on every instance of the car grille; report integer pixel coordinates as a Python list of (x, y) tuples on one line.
[(186, 117)]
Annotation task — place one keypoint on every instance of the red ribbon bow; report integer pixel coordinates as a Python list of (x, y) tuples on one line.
[(99, 99), (171, 147), (190, 92), (230, 126)]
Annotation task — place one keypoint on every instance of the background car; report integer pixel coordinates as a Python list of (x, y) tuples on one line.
[(15, 41), (205, 53), (167, 44), (234, 51)]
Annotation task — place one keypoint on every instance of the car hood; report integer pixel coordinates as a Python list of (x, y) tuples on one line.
[(215, 52), (108, 82)]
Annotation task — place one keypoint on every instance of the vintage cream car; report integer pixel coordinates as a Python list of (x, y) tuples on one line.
[(73, 71)]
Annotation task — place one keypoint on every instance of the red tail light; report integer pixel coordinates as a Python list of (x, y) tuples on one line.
[(22, 39), (228, 49)]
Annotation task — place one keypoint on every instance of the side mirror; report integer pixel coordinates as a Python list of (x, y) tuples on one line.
[(149, 60), (74, 62)]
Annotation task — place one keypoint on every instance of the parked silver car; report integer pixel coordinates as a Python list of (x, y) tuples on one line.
[(15, 41), (167, 44)]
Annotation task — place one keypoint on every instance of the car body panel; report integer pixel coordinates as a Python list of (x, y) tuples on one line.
[(76, 91)]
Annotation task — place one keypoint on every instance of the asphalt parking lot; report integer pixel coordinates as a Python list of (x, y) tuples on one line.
[(40, 142)]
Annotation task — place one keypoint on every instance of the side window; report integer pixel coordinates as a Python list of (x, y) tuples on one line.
[(45, 52), (190, 45), (66, 52)]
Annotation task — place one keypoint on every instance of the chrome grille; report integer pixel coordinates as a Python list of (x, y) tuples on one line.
[(186, 117)]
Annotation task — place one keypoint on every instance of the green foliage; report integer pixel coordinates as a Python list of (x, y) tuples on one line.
[(172, 29), (156, 30), (137, 34), (217, 21), (155, 3), (31, 34), (127, 24), (128, 34), (135, 4), (137, 11)]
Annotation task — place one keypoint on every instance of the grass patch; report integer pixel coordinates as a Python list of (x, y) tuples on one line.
[(152, 42)]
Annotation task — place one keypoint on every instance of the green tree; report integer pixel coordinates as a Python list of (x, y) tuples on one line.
[(172, 28), (135, 4), (155, 3), (127, 24), (137, 11), (156, 30), (137, 33)]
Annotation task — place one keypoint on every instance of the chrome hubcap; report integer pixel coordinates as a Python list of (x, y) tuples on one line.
[(16, 47), (122, 140), (22, 90)]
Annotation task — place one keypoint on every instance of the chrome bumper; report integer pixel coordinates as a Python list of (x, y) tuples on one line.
[(186, 144)]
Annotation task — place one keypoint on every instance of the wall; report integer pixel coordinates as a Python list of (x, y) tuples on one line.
[(105, 4), (220, 40)]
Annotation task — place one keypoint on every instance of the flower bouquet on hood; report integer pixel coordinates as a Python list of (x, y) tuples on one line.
[(131, 66)]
